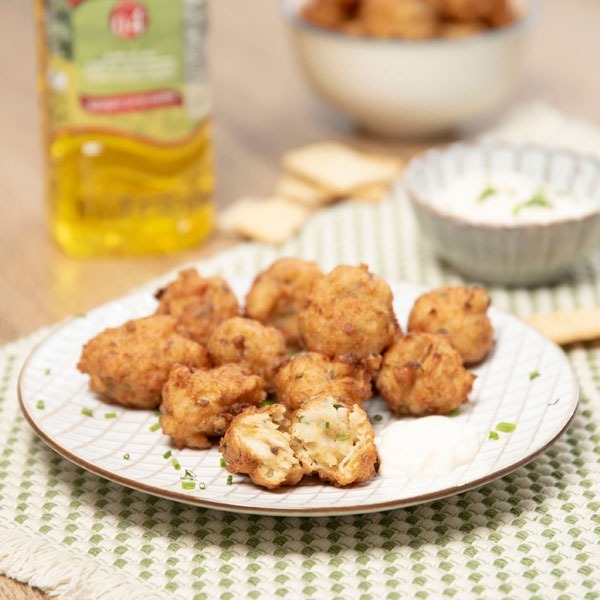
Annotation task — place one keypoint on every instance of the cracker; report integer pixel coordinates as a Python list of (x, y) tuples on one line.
[(338, 168), (272, 220), (568, 326), (374, 192), (302, 191)]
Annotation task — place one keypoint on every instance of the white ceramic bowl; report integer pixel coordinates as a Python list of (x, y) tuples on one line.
[(409, 88), (522, 254)]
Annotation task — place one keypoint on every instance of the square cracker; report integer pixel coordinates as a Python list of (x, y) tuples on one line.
[(272, 220), (303, 191), (568, 326), (338, 168)]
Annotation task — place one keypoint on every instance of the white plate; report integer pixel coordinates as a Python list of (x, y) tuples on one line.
[(541, 408)]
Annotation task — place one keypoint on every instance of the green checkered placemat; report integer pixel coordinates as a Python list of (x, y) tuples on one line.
[(532, 534)]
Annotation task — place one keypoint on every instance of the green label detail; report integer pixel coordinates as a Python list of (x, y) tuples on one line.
[(128, 66)]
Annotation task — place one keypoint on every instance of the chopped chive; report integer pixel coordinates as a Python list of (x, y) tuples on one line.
[(223, 463), (454, 413), (342, 437), (189, 475), (493, 435), (126, 456), (110, 415), (88, 412), (176, 464), (155, 427), (167, 454), (300, 418), (326, 424), (292, 351), (533, 375), (40, 404), (377, 418), (188, 485), (202, 485), (505, 427), (268, 401), (337, 405), (230, 480), (486, 193), (46, 371), (538, 199), (157, 413)]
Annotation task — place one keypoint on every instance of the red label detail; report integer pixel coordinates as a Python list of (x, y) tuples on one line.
[(122, 103), (128, 19), (75, 3)]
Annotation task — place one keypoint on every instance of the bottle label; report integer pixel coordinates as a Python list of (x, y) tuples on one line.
[(131, 67)]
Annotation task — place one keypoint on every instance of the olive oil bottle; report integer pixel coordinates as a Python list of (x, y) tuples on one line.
[(125, 113)]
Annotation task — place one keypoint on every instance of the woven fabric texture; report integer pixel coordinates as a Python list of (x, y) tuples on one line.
[(534, 533)]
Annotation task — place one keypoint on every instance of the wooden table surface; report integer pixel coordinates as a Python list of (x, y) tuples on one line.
[(251, 60)]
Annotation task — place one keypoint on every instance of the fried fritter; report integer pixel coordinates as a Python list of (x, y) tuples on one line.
[(312, 374), (198, 303), (198, 405), (349, 311), (334, 441), (258, 443), (459, 313), (329, 13), (408, 19), (278, 294), (422, 374), (496, 13), (250, 344), (129, 364)]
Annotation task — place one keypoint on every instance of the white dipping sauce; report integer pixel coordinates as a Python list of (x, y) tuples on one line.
[(426, 447), (508, 198)]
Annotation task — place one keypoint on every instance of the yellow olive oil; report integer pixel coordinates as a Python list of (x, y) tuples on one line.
[(125, 111)]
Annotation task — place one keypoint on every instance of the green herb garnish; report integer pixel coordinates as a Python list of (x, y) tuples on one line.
[(505, 427), (454, 413), (342, 437), (533, 375), (268, 402), (88, 412), (337, 405), (188, 475), (377, 418), (167, 454), (326, 424), (126, 456), (40, 405), (486, 193), (230, 480), (493, 435), (47, 372), (110, 415), (176, 464), (155, 427), (188, 485), (537, 200), (223, 463)]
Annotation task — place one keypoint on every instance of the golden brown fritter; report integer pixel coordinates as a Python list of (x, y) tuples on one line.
[(259, 348), (459, 313), (278, 294), (349, 311), (422, 374), (198, 303), (408, 19), (198, 405), (258, 443), (129, 364), (329, 13), (496, 13), (334, 441), (312, 374)]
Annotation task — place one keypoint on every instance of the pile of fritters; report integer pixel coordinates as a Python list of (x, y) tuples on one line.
[(412, 19), (208, 365)]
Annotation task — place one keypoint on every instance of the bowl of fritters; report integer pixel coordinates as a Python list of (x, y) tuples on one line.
[(410, 68)]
